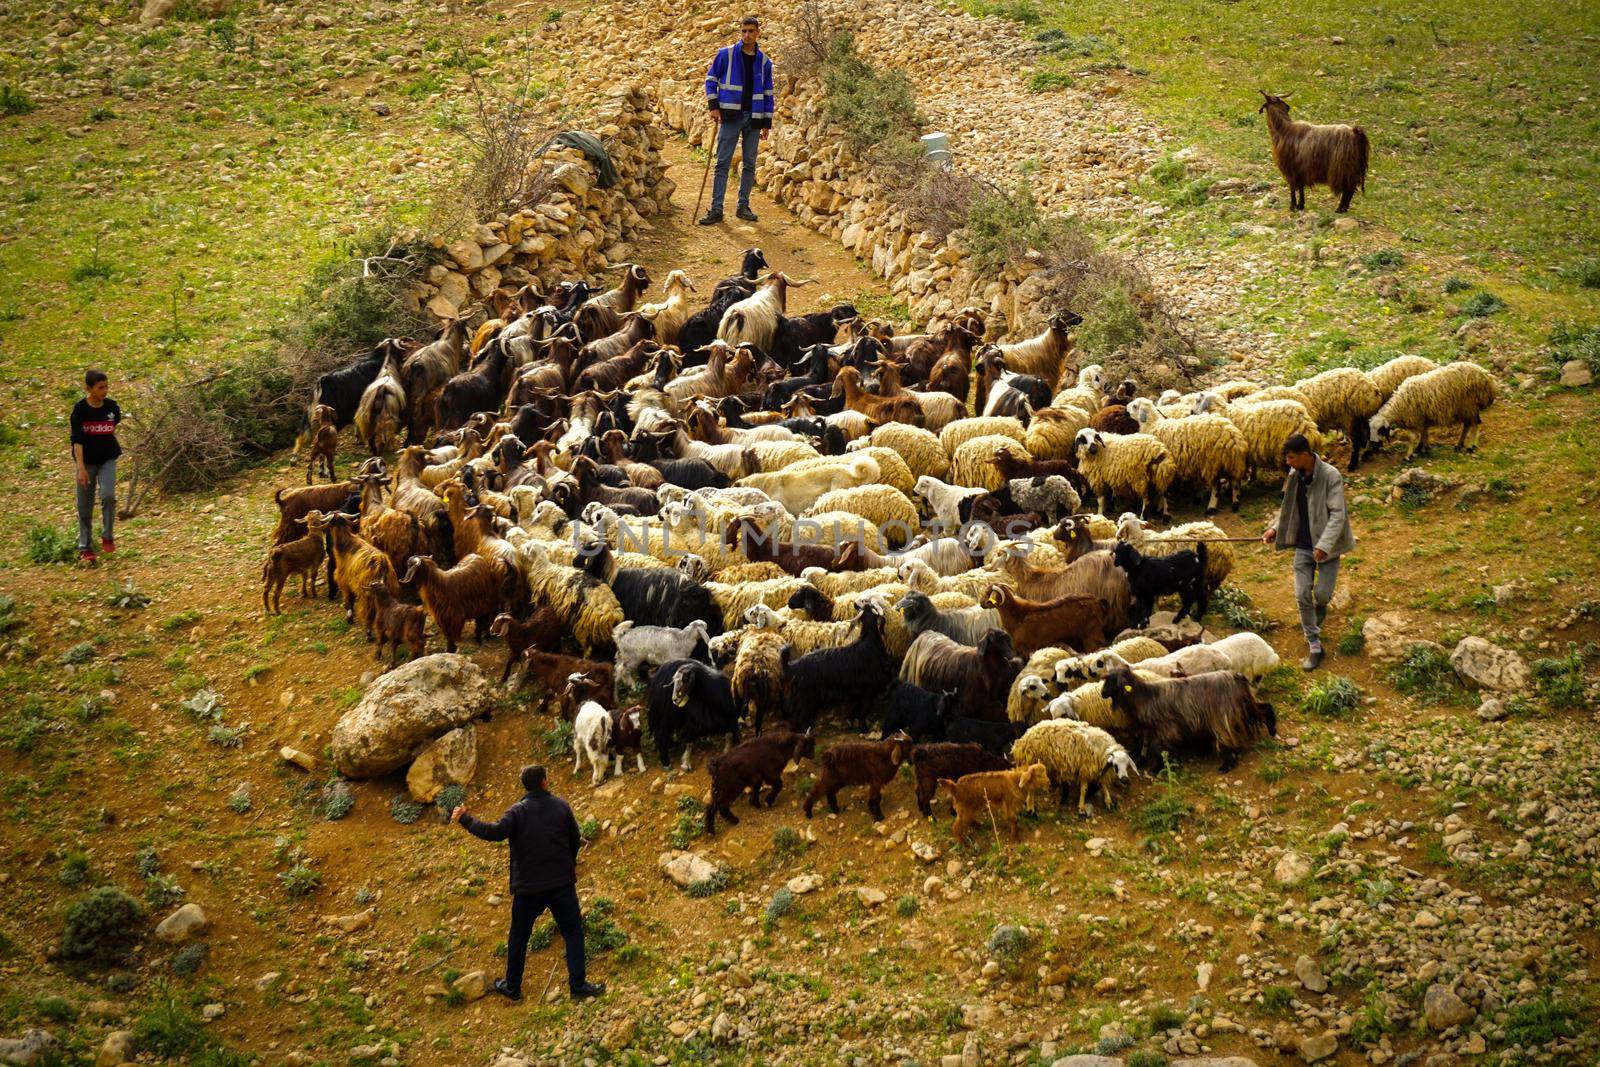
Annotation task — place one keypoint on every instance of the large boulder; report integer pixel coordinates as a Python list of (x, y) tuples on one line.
[(451, 760), (407, 708), (32, 1047), (1488, 666), (1389, 635)]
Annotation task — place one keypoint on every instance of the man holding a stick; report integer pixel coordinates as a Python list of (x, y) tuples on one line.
[(544, 874), (1314, 516), (740, 96)]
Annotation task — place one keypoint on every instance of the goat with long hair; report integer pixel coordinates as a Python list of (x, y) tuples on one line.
[(1335, 156)]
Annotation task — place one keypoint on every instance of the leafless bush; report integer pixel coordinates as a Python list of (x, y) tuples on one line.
[(806, 41), (504, 133)]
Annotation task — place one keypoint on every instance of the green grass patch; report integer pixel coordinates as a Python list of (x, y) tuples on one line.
[(50, 544), (1425, 671), (1332, 697)]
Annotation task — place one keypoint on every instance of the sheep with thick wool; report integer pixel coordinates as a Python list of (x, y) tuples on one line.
[(972, 463), (799, 486), (1051, 431), (1247, 653), (1133, 466), (776, 455), (961, 431), (1387, 377), (1087, 393), (1139, 649), (584, 604), (944, 500), (1266, 425), (918, 448), (885, 507), (892, 468), (1220, 556), (736, 599), (1075, 754), (1343, 399), (757, 672), (835, 584), (802, 635), (1279, 392), (1456, 394), (1209, 451)]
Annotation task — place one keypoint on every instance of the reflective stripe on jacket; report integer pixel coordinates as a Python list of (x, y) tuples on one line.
[(725, 83)]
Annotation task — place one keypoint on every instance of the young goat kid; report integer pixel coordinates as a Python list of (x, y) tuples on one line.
[(750, 765)]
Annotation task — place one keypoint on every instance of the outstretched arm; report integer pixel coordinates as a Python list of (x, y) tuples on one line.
[(488, 831)]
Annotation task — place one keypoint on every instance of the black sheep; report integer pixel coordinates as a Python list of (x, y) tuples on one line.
[(814, 374), (994, 737), (652, 596), (814, 602), (1151, 577), (749, 766), (929, 763), (686, 701), (852, 676), (921, 713), (700, 329)]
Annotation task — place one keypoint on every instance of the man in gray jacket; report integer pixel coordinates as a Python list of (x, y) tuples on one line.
[(1318, 529)]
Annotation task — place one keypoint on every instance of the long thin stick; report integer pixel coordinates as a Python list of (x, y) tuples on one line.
[(703, 177), (552, 976)]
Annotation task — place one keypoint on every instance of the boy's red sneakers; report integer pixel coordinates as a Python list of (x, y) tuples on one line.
[(107, 545), (86, 555)]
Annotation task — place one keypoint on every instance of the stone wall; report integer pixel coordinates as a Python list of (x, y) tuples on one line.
[(576, 230), (807, 167)]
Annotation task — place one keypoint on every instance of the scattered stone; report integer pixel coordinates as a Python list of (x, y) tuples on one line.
[(212, 1012), (1202, 976), (722, 1029), (350, 923), (686, 868), (116, 1049), (1389, 636), (304, 760), (1414, 481), (1443, 1009), (802, 884), (182, 924), (1083, 1059), (619, 1035), (450, 760), (1492, 710), (924, 851), (1291, 869), (405, 709), (1097, 845), (1488, 666), (975, 1016), (1319, 1047), (1214, 1061), (32, 1047), (1575, 374), (1310, 975), (870, 897), (473, 985), (1425, 920)]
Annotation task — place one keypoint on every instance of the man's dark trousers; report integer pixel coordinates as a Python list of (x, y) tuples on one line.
[(525, 910)]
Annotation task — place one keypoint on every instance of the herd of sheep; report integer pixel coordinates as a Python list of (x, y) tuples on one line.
[(778, 523)]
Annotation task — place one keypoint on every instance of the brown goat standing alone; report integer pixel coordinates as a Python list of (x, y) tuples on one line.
[(301, 556), (1335, 156), (324, 441)]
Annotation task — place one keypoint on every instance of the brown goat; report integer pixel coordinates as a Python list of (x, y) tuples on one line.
[(397, 534), (555, 672), (746, 536), (393, 624), (1335, 156), (1094, 574), (356, 562), (302, 556), (627, 734), (870, 763), (1076, 622), (296, 502), (541, 631), (471, 589), (944, 759), (1217, 708), (1114, 418), (995, 795), (883, 409), (1009, 465), (748, 766), (324, 441)]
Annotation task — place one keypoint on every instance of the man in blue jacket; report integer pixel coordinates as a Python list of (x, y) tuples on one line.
[(740, 95), (544, 874)]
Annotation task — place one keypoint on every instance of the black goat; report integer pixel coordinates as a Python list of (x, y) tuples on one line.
[(994, 737), (931, 762), (341, 389), (652, 596), (798, 333), (852, 676), (921, 713), (483, 388), (816, 374), (1151, 577), (686, 701)]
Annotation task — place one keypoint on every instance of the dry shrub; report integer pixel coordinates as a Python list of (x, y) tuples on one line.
[(805, 41), (503, 134)]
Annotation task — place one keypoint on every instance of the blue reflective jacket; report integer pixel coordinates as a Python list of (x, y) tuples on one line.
[(725, 83)]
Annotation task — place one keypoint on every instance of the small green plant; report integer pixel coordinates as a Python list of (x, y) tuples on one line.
[(56, 1009), (50, 544), (404, 810), (1333, 697), (13, 101), (450, 798), (239, 799), (787, 842), (1482, 305), (300, 881), (1146, 1058), (1382, 260), (553, 15), (1569, 341), (1541, 1021), (1169, 170), (1424, 671), (1454, 285), (1111, 323), (711, 886), (1560, 680), (74, 869), (1234, 605), (781, 904), (1008, 944), (690, 823), (1353, 641), (82, 652), (127, 596), (102, 925), (906, 906), (180, 620), (1049, 81), (226, 736), (1278, 999), (148, 861), (337, 800), (1585, 275), (589, 829), (1112, 1044), (558, 740), (1023, 11), (873, 107), (187, 960), (168, 1029), (162, 891), (1164, 1017), (204, 706)]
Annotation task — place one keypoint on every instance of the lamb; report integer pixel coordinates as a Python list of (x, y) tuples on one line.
[(1208, 451), (873, 764), (1343, 399), (1136, 466), (1455, 394), (1149, 578), (993, 795), (944, 500), (750, 765), (1075, 621), (302, 556), (1075, 753), (655, 645), (1335, 156), (965, 626), (591, 736), (324, 442), (995, 737), (981, 675), (1043, 354), (627, 736), (1386, 377), (1266, 425), (921, 714), (473, 589), (852, 676), (542, 631), (931, 762), (394, 624), (1086, 704), (687, 701), (1218, 708), (757, 673), (973, 461)]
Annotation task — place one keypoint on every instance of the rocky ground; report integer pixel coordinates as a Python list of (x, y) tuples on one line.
[(1409, 878)]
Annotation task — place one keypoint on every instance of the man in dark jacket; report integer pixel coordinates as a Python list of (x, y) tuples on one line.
[(1314, 523), (544, 874), (740, 97)]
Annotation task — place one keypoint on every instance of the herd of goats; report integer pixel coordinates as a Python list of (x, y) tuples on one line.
[(760, 517)]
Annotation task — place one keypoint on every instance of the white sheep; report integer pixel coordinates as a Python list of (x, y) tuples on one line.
[(1087, 705), (1087, 393), (1135, 466), (1075, 753), (1071, 668), (591, 737), (802, 635), (961, 431), (1456, 394), (944, 500), (892, 468), (1387, 377), (655, 645), (1266, 426), (776, 455), (797, 489), (1027, 699), (733, 600), (1343, 399), (1051, 431), (1209, 450), (1246, 653), (918, 448), (972, 463)]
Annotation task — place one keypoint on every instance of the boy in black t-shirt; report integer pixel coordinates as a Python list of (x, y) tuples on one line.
[(94, 453)]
